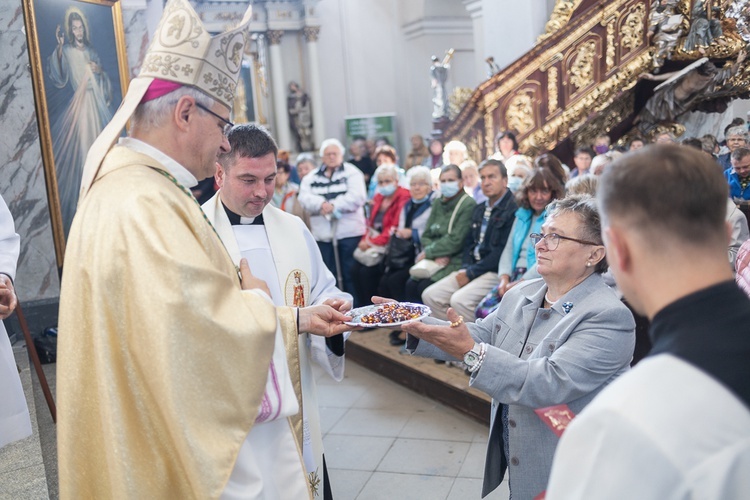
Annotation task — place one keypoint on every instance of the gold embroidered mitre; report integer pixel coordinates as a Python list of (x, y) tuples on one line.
[(181, 51)]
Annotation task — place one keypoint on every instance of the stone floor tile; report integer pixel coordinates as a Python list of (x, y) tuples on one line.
[(362, 453), (425, 457), (366, 422), (384, 485)]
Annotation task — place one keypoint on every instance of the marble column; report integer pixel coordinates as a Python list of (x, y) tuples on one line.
[(315, 90), (279, 89)]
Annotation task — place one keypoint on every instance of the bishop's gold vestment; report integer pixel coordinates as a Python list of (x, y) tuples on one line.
[(162, 358)]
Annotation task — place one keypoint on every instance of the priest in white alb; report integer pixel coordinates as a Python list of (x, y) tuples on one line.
[(282, 252)]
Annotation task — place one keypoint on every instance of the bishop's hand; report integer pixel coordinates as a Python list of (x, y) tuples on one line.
[(250, 282)]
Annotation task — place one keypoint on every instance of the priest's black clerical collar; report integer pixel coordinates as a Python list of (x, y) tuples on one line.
[(237, 220)]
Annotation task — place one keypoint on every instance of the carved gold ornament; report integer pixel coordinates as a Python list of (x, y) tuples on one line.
[(632, 29), (520, 114), (582, 68), (560, 16), (552, 82)]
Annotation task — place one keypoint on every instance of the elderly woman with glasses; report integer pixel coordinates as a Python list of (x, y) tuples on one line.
[(553, 342)]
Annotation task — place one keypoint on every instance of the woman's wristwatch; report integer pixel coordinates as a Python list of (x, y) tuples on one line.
[(474, 358)]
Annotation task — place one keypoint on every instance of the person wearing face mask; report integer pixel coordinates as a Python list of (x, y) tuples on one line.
[(387, 205), (491, 222), (518, 260), (601, 144), (440, 244), (518, 171)]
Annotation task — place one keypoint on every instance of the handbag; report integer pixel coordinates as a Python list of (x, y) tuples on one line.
[(370, 257), (426, 268), (400, 253)]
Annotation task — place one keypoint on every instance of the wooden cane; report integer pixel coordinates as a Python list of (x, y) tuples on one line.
[(37, 363)]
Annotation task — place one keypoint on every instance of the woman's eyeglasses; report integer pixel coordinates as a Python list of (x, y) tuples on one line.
[(552, 240)]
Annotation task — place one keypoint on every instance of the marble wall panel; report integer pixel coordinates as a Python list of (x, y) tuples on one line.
[(21, 173)]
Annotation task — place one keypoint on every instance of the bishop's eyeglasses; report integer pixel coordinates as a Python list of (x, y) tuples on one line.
[(227, 124), (553, 240)]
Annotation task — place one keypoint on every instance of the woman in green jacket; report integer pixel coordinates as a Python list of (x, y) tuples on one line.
[(443, 240)]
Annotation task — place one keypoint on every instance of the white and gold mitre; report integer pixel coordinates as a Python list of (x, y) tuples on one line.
[(181, 51)]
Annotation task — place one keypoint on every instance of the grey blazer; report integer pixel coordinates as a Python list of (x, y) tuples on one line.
[(539, 358)]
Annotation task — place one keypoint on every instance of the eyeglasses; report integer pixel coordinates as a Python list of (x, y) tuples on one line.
[(553, 240), (227, 124)]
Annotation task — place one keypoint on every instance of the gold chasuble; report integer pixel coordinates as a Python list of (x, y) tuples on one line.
[(162, 358)]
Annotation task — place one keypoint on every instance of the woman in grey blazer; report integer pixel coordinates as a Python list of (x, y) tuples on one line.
[(556, 340)]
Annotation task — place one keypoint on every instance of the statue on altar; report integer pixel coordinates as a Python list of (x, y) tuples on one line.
[(682, 91), (300, 117), (665, 29), (438, 78)]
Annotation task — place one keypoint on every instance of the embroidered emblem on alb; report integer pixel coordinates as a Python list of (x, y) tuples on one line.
[(296, 289)]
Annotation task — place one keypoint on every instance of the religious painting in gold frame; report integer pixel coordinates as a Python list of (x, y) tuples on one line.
[(80, 74)]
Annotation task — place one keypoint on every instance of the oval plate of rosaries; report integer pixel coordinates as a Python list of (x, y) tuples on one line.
[(388, 315)]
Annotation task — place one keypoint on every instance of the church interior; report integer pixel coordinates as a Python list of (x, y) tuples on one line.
[(386, 78)]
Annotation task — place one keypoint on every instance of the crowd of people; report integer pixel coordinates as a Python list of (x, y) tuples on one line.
[(188, 331)]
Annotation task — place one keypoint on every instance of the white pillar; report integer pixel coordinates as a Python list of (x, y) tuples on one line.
[(278, 84), (316, 96)]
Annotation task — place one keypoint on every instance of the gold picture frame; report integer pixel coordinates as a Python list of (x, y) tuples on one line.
[(80, 75)]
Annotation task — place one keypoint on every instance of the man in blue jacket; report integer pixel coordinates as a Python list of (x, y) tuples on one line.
[(738, 176), (490, 226)]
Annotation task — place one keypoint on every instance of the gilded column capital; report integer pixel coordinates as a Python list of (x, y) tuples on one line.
[(274, 36), (311, 33)]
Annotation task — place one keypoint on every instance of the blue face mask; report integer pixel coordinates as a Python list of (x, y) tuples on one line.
[(514, 183), (419, 202), (387, 189), (449, 189), (601, 149)]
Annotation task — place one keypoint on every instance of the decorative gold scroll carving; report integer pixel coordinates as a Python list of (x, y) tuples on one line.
[(520, 113), (552, 83), (489, 128), (458, 98), (524, 70), (559, 18), (632, 29), (582, 68), (599, 98), (610, 24)]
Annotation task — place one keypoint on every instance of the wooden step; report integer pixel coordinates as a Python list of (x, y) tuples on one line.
[(447, 384)]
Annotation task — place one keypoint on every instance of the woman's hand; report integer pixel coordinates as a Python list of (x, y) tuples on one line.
[(419, 256), (454, 340), (443, 261), (363, 245), (404, 233)]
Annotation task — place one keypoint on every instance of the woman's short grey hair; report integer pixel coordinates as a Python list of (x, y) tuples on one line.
[(387, 169), (305, 158), (739, 130), (585, 208), (583, 184), (331, 142), (152, 114), (419, 174), (454, 146)]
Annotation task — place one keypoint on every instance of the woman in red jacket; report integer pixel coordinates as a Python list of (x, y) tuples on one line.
[(387, 205)]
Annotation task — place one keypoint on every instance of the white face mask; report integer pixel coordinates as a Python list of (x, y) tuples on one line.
[(514, 183), (449, 189)]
